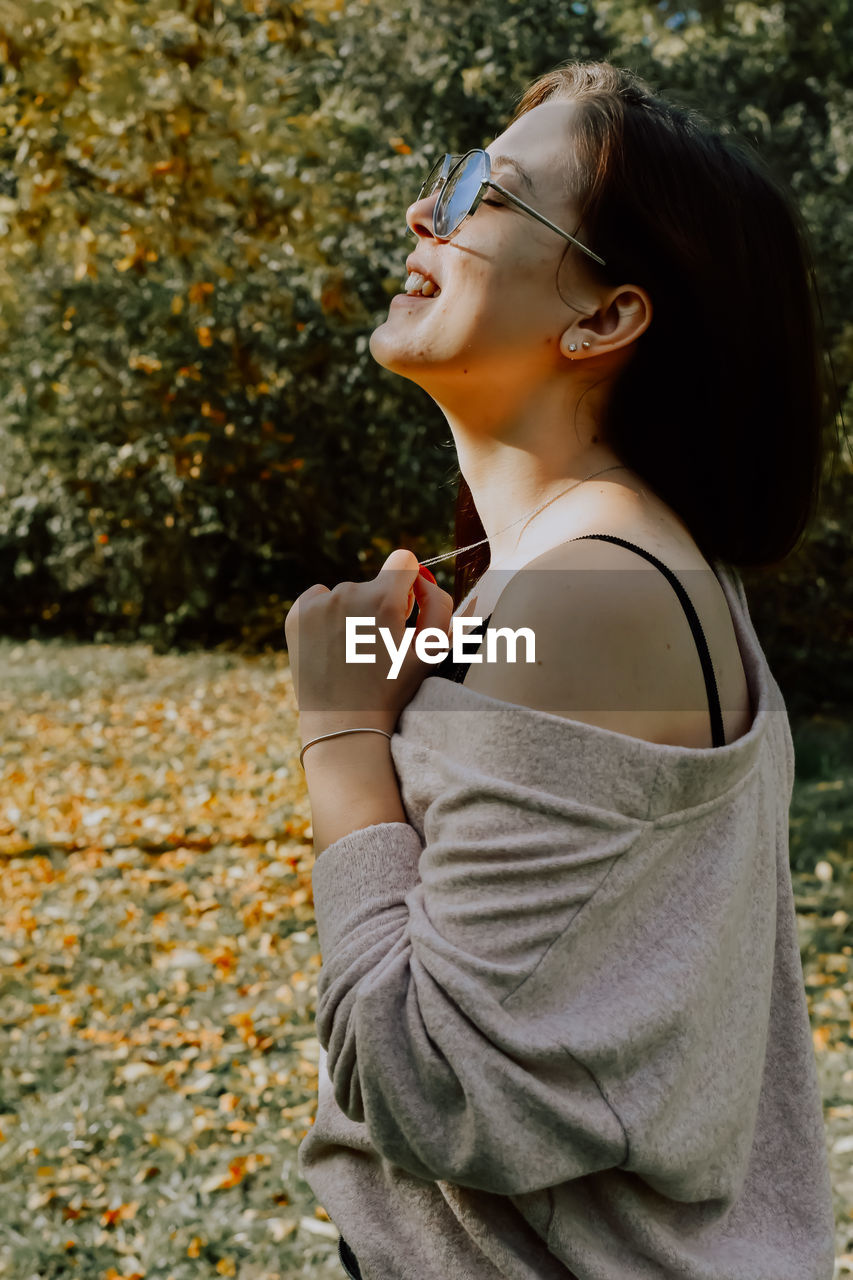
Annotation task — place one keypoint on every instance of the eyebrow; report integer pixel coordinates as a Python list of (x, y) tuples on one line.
[(498, 161)]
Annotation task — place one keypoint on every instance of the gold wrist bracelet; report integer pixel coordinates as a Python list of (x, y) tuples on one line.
[(337, 734)]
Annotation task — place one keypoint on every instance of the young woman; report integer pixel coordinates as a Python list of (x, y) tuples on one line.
[(561, 1007)]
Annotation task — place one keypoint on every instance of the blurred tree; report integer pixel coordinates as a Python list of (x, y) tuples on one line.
[(203, 212)]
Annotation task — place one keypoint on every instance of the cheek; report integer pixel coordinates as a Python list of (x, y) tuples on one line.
[(523, 303)]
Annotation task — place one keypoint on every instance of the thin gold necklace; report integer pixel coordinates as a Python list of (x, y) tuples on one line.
[(528, 515)]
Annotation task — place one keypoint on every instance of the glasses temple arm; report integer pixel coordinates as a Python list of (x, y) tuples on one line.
[(541, 218)]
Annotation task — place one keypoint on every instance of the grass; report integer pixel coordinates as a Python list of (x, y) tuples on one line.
[(158, 966)]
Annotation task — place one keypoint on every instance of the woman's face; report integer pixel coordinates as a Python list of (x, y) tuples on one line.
[(499, 315)]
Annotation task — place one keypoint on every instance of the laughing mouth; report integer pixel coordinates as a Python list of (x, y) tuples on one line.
[(420, 286)]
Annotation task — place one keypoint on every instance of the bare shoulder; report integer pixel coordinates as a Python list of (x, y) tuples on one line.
[(612, 645), (590, 616)]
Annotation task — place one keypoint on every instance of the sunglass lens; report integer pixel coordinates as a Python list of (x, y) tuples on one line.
[(457, 195)]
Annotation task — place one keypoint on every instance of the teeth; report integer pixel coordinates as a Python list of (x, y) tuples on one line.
[(418, 283)]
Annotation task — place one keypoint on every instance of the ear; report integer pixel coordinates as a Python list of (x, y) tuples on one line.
[(624, 313)]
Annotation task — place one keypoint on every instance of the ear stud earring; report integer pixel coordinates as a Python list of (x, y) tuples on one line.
[(584, 345), (573, 346)]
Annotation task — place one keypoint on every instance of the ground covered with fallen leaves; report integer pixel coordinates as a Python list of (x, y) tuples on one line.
[(159, 961)]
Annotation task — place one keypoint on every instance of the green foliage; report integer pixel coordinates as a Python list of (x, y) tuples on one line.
[(203, 209)]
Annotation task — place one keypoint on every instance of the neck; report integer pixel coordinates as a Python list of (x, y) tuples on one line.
[(518, 451)]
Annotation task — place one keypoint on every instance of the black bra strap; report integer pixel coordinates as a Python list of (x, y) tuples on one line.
[(717, 731)]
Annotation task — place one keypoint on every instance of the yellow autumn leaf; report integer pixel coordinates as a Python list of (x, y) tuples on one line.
[(148, 364), (199, 291), (821, 1037)]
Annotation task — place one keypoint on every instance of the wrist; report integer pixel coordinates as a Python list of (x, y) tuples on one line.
[(352, 784), (357, 753), (314, 724)]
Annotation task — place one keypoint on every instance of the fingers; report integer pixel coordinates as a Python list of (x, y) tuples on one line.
[(398, 585), (435, 606), (317, 590), (393, 583), (291, 619), (401, 559)]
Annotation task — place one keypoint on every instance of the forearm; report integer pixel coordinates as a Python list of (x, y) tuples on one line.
[(351, 785)]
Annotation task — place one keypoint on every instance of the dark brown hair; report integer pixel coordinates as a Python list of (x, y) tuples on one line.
[(720, 409)]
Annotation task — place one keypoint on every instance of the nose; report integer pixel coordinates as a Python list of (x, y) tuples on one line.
[(419, 216)]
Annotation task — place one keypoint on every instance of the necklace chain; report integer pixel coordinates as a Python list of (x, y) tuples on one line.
[(528, 515)]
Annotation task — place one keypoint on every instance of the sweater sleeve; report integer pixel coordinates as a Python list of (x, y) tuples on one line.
[(419, 1048), (540, 988)]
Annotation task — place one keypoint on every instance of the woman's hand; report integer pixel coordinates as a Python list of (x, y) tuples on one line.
[(335, 694)]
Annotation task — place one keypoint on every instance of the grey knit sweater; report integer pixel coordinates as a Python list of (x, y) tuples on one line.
[(562, 1008)]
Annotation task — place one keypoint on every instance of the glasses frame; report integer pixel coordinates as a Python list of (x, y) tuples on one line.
[(448, 165)]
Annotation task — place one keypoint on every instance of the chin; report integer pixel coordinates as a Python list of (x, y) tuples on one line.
[(387, 354), (379, 348)]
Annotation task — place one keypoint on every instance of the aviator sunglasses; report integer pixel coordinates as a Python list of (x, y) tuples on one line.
[(462, 182)]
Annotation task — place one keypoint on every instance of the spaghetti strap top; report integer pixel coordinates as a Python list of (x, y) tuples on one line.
[(457, 671)]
